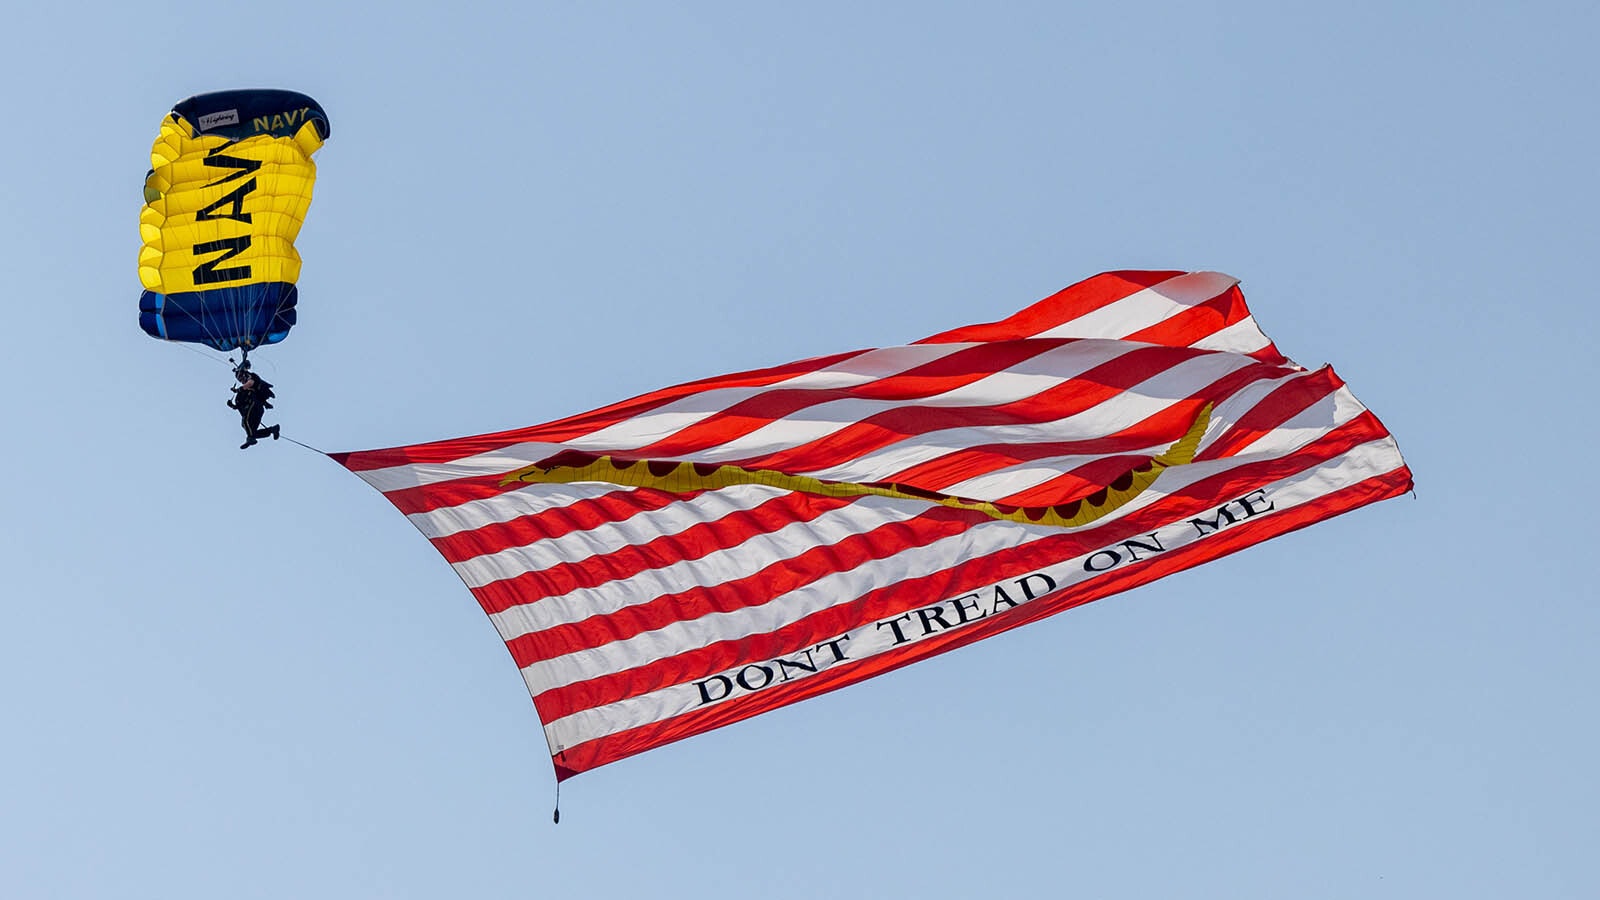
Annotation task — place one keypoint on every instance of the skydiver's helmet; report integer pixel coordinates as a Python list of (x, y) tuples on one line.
[(242, 371)]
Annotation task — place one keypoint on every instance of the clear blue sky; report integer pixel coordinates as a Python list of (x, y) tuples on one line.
[(243, 675)]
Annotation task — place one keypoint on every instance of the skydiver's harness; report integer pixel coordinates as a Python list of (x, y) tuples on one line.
[(260, 395)]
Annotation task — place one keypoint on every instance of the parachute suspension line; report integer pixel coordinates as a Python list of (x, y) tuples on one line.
[(198, 352), (244, 360)]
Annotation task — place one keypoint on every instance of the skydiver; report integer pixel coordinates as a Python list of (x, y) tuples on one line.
[(250, 398)]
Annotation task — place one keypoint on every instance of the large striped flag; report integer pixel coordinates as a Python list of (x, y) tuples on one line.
[(708, 552)]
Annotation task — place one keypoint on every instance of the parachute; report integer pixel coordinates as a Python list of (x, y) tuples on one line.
[(229, 185)]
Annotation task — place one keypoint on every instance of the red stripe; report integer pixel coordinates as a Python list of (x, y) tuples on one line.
[(1081, 482), (574, 426), (1203, 320), (948, 373), (581, 515), (692, 543), (881, 429), (611, 748), (1063, 306), (1164, 426), (1167, 425), (442, 494), (1284, 402)]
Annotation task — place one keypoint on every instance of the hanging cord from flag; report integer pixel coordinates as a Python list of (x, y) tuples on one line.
[(307, 446), (555, 816)]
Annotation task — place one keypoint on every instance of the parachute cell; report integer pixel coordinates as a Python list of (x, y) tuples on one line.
[(230, 182)]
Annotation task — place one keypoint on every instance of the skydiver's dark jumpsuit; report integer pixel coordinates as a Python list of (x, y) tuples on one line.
[(250, 399)]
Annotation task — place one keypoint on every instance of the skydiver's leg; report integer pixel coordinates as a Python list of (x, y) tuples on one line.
[(256, 431), (252, 425)]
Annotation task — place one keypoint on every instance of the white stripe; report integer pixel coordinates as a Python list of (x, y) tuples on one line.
[(1025, 476), (665, 420), (1327, 413), (1366, 461), (1021, 381), (1243, 336), (1308, 425), (1226, 414), (524, 501), (1114, 414), (717, 567), (609, 537), (1142, 309), (495, 462), (822, 419)]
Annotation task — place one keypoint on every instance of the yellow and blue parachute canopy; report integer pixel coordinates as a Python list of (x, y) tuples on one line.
[(229, 185)]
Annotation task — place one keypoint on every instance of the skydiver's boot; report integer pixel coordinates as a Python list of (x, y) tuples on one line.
[(248, 443), (274, 430)]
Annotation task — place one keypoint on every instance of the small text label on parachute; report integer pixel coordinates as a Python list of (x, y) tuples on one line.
[(280, 122), (218, 119)]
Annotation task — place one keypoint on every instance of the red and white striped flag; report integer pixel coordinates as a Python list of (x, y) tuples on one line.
[(707, 552)]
